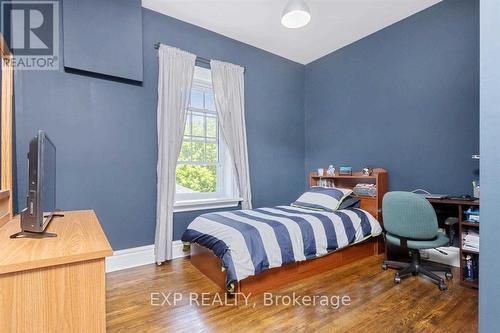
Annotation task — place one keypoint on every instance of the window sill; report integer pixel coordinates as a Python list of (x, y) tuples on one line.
[(204, 204)]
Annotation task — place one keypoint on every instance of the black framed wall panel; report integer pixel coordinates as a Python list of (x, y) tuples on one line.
[(104, 37)]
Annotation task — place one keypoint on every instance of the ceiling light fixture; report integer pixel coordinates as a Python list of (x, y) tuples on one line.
[(296, 14)]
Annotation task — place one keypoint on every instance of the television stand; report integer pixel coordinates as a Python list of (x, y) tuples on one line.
[(55, 284), (43, 234), (28, 234)]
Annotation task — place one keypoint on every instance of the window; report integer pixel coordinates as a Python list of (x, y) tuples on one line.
[(204, 177)]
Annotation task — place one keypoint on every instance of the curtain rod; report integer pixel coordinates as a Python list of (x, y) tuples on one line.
[(199, 59)]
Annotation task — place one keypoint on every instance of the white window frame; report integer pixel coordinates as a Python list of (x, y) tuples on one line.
[(226, 191)]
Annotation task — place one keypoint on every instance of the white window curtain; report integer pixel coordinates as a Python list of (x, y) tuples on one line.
[(229, 89), (175, 76)]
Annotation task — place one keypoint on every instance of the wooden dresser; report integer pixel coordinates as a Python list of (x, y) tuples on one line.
[(54, 284)]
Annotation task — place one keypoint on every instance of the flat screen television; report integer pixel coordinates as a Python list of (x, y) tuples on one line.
[(41, 196)]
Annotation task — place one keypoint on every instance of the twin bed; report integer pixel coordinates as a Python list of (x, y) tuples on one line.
[(252, 251)]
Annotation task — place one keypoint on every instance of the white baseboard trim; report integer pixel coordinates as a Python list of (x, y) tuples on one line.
[(177, 250), (138, 256)]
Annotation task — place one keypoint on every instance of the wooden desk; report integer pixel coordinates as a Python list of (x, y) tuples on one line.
[(54, 284), (454, 202), (460, 206)]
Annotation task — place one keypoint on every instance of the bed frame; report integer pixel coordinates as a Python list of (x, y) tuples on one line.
[(210, 265)]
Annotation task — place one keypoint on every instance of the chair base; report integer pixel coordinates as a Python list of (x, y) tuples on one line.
[(416, 267)]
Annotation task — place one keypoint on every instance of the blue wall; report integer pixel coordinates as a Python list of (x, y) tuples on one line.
[(105, 131), (489, 292), (405, 98)]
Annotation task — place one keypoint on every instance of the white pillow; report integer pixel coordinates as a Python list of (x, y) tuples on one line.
[(322, 198)]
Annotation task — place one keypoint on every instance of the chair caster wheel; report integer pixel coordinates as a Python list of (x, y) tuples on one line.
[(397, 279), (442, 286), (448, 275), (384, 267)]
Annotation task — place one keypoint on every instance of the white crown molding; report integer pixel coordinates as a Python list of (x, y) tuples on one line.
[(138, 256)]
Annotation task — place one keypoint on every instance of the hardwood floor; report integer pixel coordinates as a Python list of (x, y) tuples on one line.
[(376, 303)]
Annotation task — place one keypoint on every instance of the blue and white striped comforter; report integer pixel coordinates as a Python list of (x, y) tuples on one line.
[(251, 241)]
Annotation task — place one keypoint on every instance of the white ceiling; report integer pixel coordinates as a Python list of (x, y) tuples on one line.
[(334, 23)]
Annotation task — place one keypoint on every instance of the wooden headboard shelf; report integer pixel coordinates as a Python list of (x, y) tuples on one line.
[(379, 177)]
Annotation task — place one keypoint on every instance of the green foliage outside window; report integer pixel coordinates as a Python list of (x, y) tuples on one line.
[(197, 171), (198, 178)]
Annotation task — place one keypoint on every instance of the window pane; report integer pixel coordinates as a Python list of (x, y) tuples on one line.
[(211, 152), (198, 124), (198, 152), (211, 127), (196, 178), (185, 150), (187, 129), (199, 147), (209, 102), (197, 99)]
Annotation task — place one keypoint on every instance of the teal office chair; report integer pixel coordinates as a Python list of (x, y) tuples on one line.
[(411, 223)]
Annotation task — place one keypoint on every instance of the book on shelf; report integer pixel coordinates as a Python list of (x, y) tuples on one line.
[(473, 219), (369, 190), (470, 248), (472, 215), (326, 183), (472, 211), (470, 240)]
